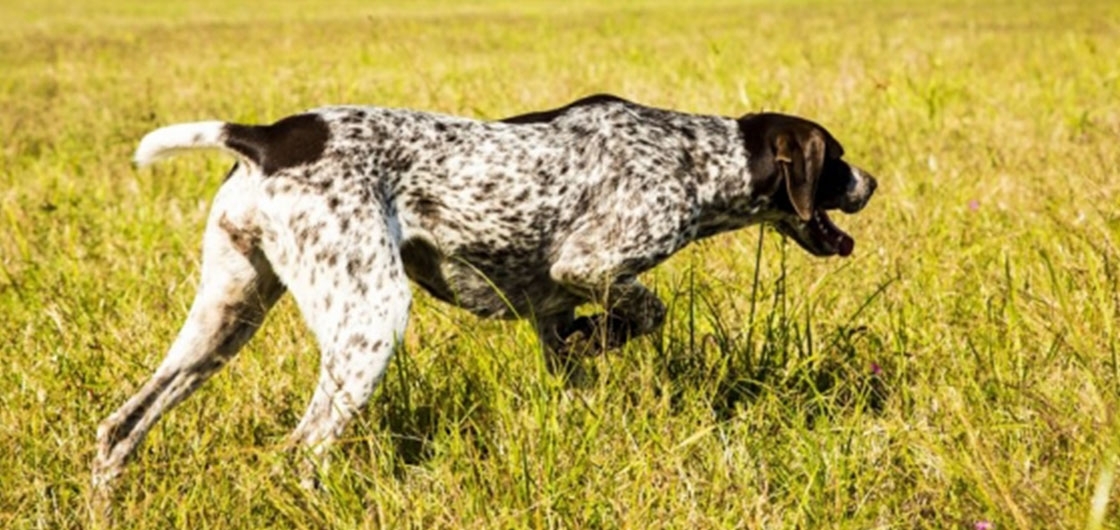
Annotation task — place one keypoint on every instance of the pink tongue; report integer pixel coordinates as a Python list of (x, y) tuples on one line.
[(846, 244), (837, 237)]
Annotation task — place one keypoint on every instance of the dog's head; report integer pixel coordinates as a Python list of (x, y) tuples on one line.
[(798, 166)]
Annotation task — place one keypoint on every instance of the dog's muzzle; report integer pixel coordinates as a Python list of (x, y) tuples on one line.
[(819, 235)]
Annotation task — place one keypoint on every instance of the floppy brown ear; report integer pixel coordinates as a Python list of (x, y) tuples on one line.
[(800, 158)]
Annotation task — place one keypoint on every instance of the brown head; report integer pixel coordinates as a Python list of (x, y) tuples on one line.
[(799, 166)]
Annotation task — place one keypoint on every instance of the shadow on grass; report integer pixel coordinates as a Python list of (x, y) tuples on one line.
[(827, 369), (830, 382), (819, 369), (414, 409)]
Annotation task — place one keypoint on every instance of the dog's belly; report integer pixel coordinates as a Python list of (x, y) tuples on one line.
[(492, 284)]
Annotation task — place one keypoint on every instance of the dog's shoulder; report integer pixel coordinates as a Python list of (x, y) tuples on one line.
[(592, 102)]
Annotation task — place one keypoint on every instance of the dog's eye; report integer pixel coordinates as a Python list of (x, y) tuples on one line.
[(835, 177)]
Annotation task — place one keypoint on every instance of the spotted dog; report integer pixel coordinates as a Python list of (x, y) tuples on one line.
[(527, 217)]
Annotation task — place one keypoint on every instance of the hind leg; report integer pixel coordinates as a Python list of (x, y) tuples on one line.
[(236, 290), (357, 303)]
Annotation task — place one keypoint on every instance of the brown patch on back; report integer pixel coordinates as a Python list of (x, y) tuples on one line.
[(292, 141), (245, 240)]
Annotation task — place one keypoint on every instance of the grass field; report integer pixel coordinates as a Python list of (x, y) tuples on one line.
[(960, 368)]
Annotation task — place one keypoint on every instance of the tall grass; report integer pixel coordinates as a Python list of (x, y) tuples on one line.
[(960, 367)]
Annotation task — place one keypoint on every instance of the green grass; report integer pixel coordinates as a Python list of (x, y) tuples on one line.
[(984, 283)]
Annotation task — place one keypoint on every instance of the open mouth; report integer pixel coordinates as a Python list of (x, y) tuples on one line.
[(819, 235), (822, 229)]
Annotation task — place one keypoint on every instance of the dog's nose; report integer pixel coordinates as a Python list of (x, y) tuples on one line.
[(860, 189), (863, 183)]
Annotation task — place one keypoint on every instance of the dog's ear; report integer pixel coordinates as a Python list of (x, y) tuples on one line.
[(799, 156)]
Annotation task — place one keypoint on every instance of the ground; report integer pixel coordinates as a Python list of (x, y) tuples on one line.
[(961, 368)]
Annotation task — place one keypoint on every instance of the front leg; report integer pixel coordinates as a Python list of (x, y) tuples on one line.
[(552, 330), (633, 311), (600, 262)]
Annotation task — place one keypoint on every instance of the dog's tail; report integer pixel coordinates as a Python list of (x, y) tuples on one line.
[(166, 141), (293, 141)]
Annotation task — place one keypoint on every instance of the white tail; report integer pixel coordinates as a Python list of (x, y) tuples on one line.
[(166, 141), (292, 141)]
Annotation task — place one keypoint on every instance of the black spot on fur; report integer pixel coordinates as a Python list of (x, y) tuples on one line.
[(358, 341), (427, 207), (244, 239)]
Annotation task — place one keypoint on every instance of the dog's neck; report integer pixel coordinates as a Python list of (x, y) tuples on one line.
[(714, 220), (725, 197)]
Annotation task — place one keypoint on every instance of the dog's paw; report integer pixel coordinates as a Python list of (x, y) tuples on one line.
[(588, 336), (580, 344), (583, 337)]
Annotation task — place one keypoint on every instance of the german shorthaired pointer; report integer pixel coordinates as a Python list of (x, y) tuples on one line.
[(526, 217)]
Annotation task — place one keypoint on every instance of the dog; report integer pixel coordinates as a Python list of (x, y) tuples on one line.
[(527, 217)]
